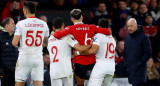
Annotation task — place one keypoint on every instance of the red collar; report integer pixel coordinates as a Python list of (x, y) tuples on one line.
[(32, 17)]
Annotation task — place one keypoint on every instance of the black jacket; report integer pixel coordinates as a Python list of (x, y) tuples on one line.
[(137, 51), (8, 53)]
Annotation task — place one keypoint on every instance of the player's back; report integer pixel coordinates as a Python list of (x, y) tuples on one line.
[(60, 57), (83, 33), (105, 57), (107, 47), (32, 31)]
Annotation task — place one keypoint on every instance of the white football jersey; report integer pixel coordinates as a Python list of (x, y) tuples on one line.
[(60, 56), (32, 32), (106, 52)]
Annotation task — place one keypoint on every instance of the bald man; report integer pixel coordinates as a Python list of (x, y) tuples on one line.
[(137, 51)]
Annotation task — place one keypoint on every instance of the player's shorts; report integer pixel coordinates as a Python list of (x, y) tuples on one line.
[(99, 76), (83, 71), (66, 81), (26, 66)]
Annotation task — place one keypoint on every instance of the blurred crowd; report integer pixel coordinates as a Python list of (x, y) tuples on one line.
[(146, 12)]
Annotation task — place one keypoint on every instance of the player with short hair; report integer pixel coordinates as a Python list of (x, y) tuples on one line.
[(83, 33), (30, 32), (60, 56), (104, 48)]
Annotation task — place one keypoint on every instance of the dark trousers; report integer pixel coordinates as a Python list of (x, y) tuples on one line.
[(8, 79), (83, 71), (138, 84)]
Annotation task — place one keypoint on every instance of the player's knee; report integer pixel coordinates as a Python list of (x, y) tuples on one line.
[(38, 83), (19, 83)]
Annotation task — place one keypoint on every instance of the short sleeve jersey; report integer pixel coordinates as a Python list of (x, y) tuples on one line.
[(106, 51), (32, 32), (60, 56)]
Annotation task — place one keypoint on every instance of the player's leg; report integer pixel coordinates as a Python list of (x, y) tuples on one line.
[(56, 82), (80, 82), (107, 80), (97, 76), (37, 72), (23, 68), (68, 81), (38, 83), (82, 73), (19, 83)]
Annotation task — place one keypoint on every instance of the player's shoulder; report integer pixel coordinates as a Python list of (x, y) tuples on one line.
[(52, 39), (69, 27), (21, 22), (111, 39), (67, 37), (99, 35), (90, 24), (41, 21)]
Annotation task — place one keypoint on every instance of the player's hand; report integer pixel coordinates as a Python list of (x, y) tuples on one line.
[(75, 52), (52, 33)]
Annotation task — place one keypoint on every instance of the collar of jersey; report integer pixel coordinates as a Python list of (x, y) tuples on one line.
[(32, 17), (78, 23)]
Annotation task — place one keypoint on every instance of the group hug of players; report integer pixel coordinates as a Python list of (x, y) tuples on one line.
[(94, 50)]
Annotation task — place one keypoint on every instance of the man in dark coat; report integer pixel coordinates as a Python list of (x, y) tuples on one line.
[(8, 53), (137, 51)]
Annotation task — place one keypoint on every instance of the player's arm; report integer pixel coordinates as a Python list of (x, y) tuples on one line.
[(60, 34), (81, 48), (17, 35), (45, 42), (105, 31), (92, 50), (75, 44), (15, 40)]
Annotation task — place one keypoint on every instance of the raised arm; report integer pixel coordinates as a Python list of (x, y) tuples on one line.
[(105, 31), (60, 34)]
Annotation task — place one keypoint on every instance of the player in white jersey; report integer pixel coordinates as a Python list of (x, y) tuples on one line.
[(60, 56), (104, 48), (30, 32)]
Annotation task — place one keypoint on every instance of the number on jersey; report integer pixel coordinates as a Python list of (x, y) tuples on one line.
[(38, 37), (54, 51), (87, 39), (110, 50)]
